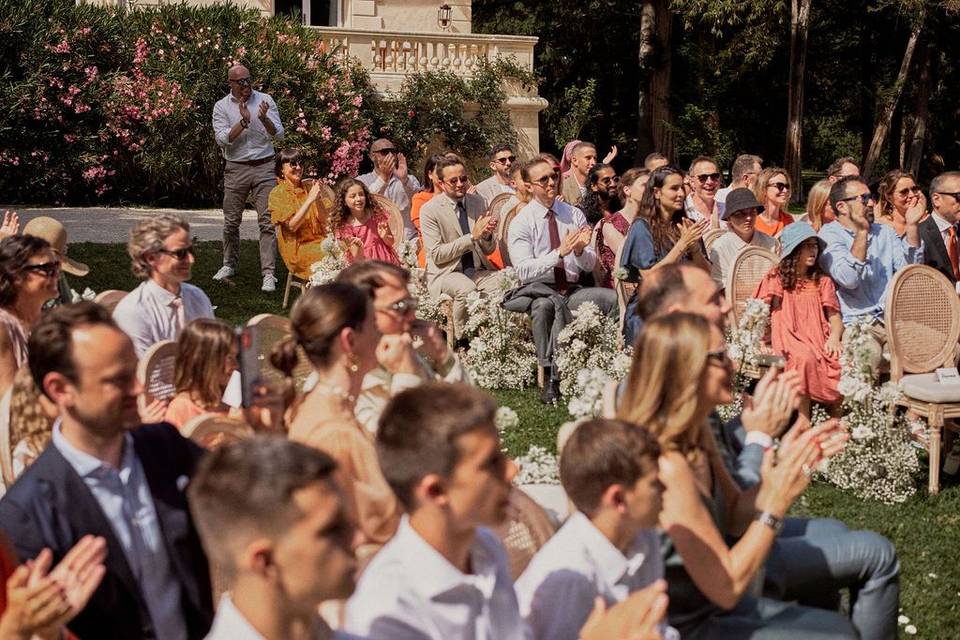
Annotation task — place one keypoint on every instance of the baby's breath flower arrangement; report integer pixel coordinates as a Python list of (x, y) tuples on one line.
[(506, 419), (325, 270), (744, 345), (589, 341), (539, 466), (408, 254), (428, 307)]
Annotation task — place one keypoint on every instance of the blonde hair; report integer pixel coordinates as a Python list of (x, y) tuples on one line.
[(147, 238), (663, 387), (28, 420), (760, 188), (817, 198), (202, 350)]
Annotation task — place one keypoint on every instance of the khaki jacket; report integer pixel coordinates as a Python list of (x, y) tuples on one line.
[(570, 190), (443, 241)]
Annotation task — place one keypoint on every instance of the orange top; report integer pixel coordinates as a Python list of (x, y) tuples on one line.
[(774, 230), (419, 199), (301, 248)]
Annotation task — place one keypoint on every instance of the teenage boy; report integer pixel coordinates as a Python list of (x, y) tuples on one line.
[(274, 524), (609, 547), (444, 576)]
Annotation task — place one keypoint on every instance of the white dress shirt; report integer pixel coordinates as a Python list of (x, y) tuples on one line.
[(528, 242), (557, 590), (491, 188), (125, 499), (944, 228), (149, 313), (410, 591), (254, 142), (230, 624), (396, 193)]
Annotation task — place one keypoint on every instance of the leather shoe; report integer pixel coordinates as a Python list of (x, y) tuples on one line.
[(551, 391)]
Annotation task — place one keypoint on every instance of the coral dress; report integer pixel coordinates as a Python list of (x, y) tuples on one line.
[(799, 330), (301, 248), (374, 247)]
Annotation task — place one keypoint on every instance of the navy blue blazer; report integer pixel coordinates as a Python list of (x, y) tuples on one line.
[(51, 506)]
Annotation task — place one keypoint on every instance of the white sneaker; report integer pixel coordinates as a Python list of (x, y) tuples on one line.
[(224, 273), (269, 283)]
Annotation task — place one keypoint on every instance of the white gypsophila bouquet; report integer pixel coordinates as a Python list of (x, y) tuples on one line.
[(590, 340), (745, 345), (538, 466), (87, 295), (325, 270), (428, 308), (501, 354), (878, 462), (586, 400), (506, 419), (408, 254)]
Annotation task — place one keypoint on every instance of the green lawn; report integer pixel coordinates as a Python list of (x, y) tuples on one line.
[(926, 531)]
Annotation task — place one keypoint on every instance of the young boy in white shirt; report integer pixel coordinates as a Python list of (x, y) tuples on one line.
[(608, 547)]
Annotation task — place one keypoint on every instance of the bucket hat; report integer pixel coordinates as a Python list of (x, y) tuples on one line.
[(793, 235), (739, 199)]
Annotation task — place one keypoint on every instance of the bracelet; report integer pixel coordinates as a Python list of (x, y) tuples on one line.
[(244, 123), (770, 520)]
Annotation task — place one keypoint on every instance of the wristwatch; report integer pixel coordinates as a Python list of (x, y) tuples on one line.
[(770, 520), (244, 123)]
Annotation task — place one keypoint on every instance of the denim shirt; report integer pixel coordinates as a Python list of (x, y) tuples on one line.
[(124, 496), (862, 285)]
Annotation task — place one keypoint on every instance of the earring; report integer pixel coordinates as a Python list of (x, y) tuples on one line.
[(354, 365)]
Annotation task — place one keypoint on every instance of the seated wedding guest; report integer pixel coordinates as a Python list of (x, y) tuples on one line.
[(705, 179), (612, 230), (32, 415), (391, 178), (53, 231), (772, 190), (609, 547), (819, 211), (844, 167), (335, 326), (501, 161), (299, 209), (740, 213), (206, 359), (654, 161), (395, 311), (861, 256), (444, 576), (457, 237), (37, 602), (601, 198), (680, 373), (896, 193), (29, 270), (743, 173), (275, 525), (549, 244), (360, 225), (431, 189), (660, 235), (939, 231), (162, 255), (105, 474), (805, 323)]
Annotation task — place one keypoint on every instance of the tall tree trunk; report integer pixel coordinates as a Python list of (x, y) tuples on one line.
[(792, 154), (896, 133), (884, 117), (921, 112), (661, 120), (646, 61)]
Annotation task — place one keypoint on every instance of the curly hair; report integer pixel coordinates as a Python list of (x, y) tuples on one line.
[(15, 251), (663, 231), (792, 273), (886, 188), (341, 211), (590, 204), (147, 239), (28, 419)]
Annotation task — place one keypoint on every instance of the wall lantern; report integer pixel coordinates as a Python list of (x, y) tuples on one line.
[(443, 16)]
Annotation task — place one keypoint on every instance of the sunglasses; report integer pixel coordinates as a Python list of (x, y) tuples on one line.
[(956, 195), (457, 180), (779, 186), (179, 254), (906, 190), (507, 160), (48, 269), (545, 180), (243, 82), (863, 197), (385, 152), (703, 177), (401, 306)]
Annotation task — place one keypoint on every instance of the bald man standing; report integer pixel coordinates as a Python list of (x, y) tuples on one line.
[(245, 124)]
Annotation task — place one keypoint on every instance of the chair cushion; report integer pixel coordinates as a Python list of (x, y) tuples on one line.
[(926, 387)]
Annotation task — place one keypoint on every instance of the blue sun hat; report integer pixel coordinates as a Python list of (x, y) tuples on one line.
[(793, 235)]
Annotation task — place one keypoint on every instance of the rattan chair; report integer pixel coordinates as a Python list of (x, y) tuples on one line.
[(156, 371), (498, 209), (503, 229), (210, 430), (268, 330), (110, 298), (526, 529), (749, 267), (6, 446), (711, 236), (922, 318), (394, 218)]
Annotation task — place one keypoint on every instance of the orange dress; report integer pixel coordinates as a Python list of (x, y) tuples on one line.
[(418, 200), (774, 230), (799, 330), (301, 248)]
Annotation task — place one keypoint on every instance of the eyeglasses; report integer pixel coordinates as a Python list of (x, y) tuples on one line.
[(179, 254), (703, 177), (955, 196), (385, 152), (719, 356), (243, 82), (906, 190), (401, 306), (610, 180), (507, 160), (455, 180), (545, 180), (863, 197), (48, 269), (779, 186)]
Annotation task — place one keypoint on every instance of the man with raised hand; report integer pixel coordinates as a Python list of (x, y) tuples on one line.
[(391, 178)]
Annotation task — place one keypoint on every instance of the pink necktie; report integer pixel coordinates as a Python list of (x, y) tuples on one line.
[(179, 315)]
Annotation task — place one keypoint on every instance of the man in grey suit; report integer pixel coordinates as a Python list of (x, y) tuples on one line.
[(457, 237), (939, 231)]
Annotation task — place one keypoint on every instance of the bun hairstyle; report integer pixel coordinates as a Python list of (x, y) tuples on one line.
[(316, 321)]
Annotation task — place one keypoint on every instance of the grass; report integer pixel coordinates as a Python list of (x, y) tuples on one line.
[(925, 530)]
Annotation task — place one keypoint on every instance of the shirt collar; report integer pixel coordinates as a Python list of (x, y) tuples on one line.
[(161, 294), (611, 564), (942, 224), (234, 100), (230, 623), (435, 575), (84, 463), (452, 201)]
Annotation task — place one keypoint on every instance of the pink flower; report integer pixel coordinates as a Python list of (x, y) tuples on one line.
[(70, 137), (411, 113), (63, 47)]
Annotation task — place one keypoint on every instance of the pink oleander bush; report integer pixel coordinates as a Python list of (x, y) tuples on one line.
[(105, 105)]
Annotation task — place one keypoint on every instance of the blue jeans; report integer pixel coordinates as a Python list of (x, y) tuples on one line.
[(814, 558), (766, 619)]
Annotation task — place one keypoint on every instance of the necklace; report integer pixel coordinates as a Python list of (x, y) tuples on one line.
[(335, 391)]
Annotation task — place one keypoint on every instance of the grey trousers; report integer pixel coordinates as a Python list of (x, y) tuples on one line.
[(239, 181)]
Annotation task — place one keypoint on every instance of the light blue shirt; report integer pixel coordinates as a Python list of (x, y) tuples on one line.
[(862, 284), (124, 496), (253, 143)]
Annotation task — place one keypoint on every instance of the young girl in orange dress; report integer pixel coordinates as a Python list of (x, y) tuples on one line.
[(363, 229), (805, 321)]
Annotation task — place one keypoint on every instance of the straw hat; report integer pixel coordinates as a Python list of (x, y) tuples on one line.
[(53, 232)]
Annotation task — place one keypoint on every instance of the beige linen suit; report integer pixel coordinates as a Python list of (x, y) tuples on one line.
[(444, 243)]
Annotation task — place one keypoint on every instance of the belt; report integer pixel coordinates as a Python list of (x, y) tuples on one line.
[(253, 163)]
